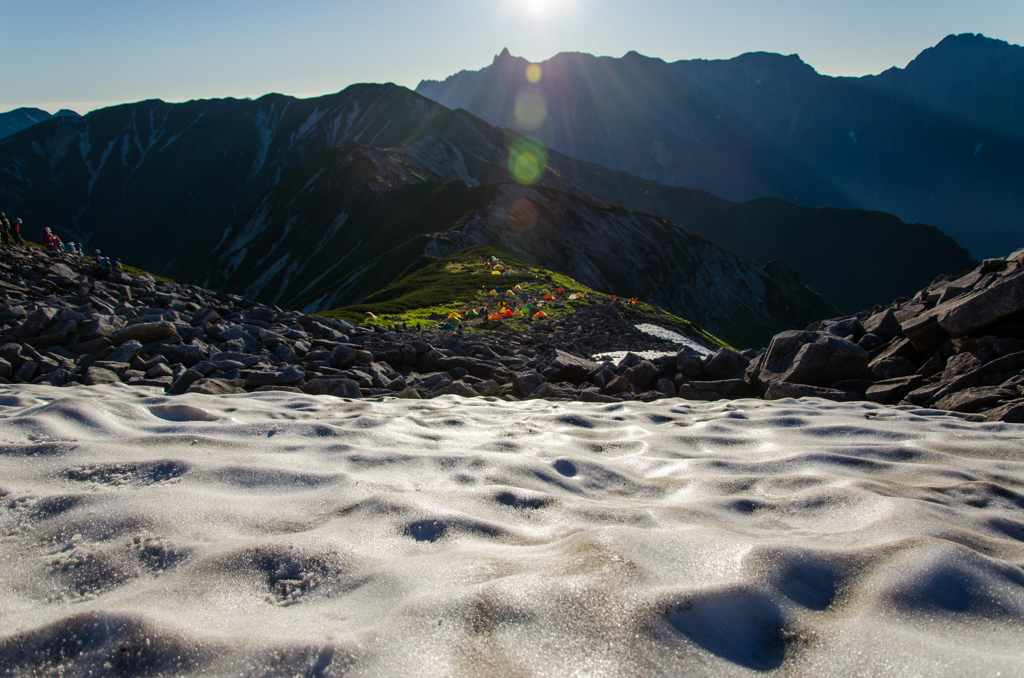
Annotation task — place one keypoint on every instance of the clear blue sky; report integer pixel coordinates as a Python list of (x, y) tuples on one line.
[(86, 54)]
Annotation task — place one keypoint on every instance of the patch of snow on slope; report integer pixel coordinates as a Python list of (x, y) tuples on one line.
[(288, 226), (304, 128), (234, 262), (252, 228), (265, 123), (257, 285), (374, 139), (85, 148)]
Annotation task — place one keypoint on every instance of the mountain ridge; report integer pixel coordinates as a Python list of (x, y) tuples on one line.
[(929, 143)]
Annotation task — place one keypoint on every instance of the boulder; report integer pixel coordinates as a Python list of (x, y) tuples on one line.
[(825, 361), (526, 382), (144, 333), (340, 387), (97, 375), (688, 364), (715, 390), (100, 326), (892, 391), (666, 388), (891, 368), (975, 398), (617, 385), (570, 368), (184, 381), (125, 352), (214, 387), (1005, 297), (725, 364), (458, 387), (643, 375), (882, 324), (1011, 413), (289, 376)]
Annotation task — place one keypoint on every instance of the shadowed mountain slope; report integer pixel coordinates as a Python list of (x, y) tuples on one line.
[(149, 180), (936, 142)]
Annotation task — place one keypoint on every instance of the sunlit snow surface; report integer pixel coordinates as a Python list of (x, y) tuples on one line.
[(661, 333), (282, 534)]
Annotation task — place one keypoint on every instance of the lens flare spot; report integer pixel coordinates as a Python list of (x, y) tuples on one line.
[(522, 215), (531, 110), (533, 73), (527, 161)]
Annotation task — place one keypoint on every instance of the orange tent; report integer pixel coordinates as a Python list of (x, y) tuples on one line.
[(494, 316), (540, 314), (549, 297)]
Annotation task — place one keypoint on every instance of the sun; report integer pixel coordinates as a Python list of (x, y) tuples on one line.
[(538, 7)]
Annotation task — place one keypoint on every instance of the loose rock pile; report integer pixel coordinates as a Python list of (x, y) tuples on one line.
[(957, 346), (65, 321)]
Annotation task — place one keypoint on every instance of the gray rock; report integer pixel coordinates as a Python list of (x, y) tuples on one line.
[(891, 368), (100, 326), (410, 394), (892, 391), (643, 375), (340, 387), (824, 361), (1011, 413), (525, 383), (869, 342), (117, 368), (286, 377), (595, 397), (975, 398), (182, 353), (688, 364), (725, 364), (666, 387), (125, 352), (184, 381), (459, 388), (570, 368), (965, 315), (882, 324), (159, 370), (5, 369), (715, 390), (214, 387), (25, 373), (144, 333), (244, 359), (618, 385), (97, 375)]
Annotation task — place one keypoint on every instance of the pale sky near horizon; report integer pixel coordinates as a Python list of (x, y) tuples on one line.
[(87, 55)]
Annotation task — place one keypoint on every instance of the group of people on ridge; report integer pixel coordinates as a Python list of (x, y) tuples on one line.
[(10, 234)]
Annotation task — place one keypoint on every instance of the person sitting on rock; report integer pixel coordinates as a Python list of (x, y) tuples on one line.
[(16, 232)]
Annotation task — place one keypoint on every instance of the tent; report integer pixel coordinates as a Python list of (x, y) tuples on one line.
[(494, 316), (548, 297), (447, 326), (540, 314), (454, 315), (493, 293), (471, 313)]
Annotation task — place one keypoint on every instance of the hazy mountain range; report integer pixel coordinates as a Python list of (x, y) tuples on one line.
[(21, 118), (317, 203), (937, 142)]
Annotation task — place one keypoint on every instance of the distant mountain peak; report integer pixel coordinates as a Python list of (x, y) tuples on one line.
[(504, 56)]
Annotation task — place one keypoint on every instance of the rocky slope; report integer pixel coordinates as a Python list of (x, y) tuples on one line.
[(315, 243), (956, 346), (147, 180), (935, 142)]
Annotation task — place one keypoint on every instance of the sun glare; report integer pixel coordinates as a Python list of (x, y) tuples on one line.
[(537, 7)]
